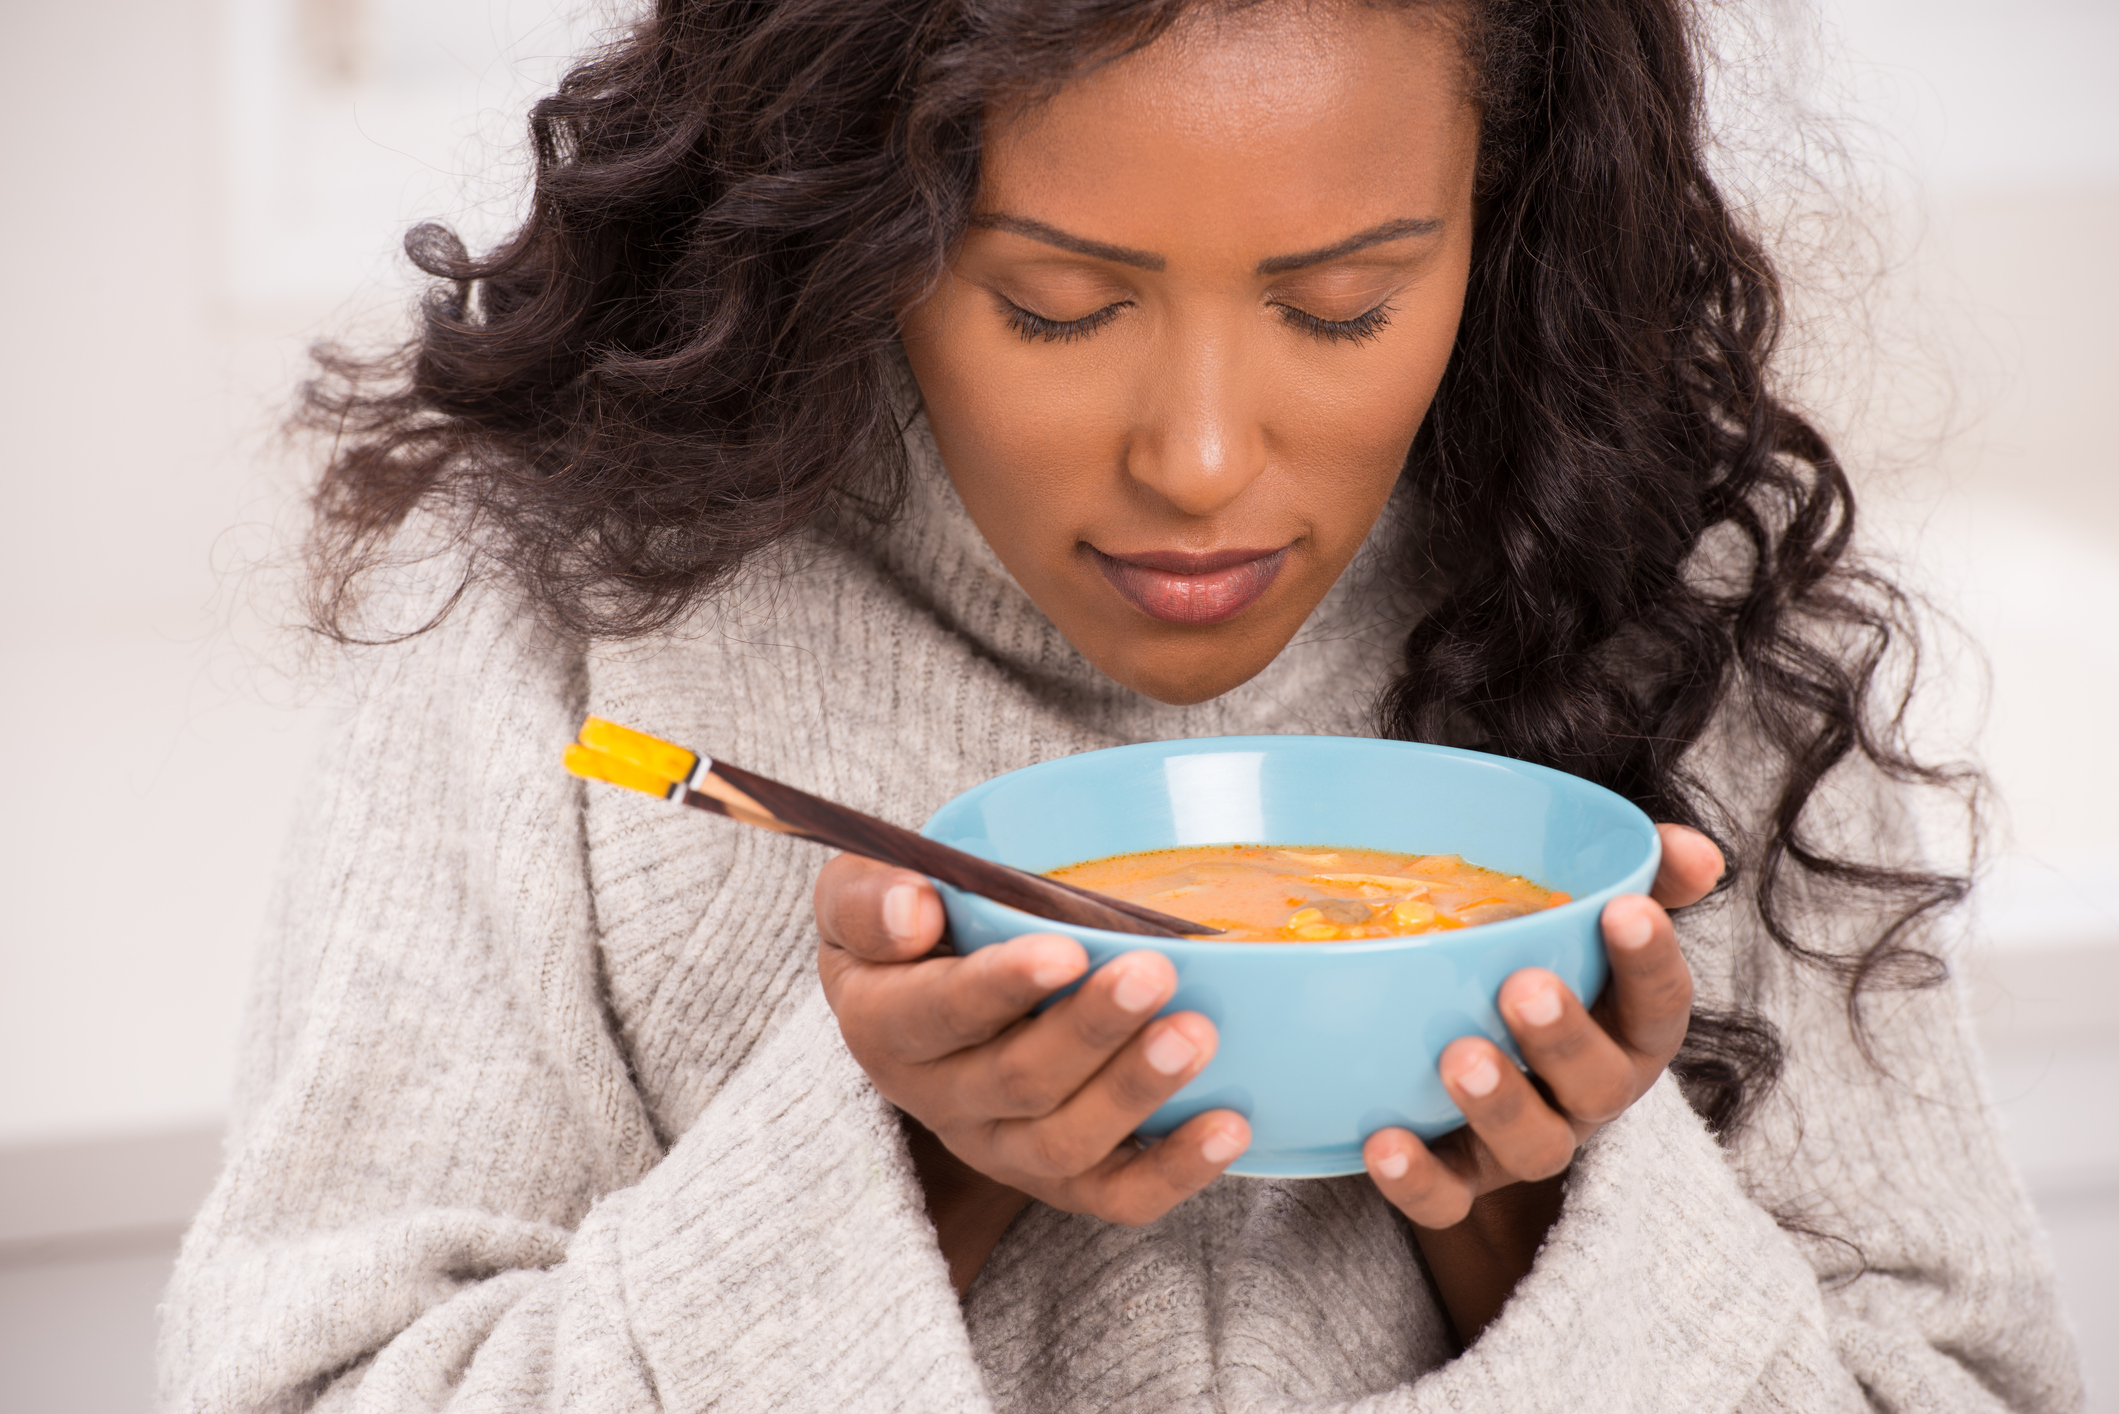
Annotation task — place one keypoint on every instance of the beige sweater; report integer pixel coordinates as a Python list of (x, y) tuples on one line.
[(540, 1106)]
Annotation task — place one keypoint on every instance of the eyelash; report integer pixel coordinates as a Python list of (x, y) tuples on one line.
[(1359, 329), (1060, 331)]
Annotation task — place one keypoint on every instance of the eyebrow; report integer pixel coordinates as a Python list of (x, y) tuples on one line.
[(1359, 241), (1080, 245), (1148, 260)]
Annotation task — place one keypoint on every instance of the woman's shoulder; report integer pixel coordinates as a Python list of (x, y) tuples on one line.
[(808, 655), (445, 665), (440, 621)]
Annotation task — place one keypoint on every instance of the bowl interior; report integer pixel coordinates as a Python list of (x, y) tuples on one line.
[(1558, 830)]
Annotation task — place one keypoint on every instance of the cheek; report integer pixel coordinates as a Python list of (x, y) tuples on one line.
[(941, 341), (1357, 415), (1016, 438), (1348, 421)]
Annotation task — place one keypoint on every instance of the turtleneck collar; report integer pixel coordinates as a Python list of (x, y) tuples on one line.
[(1327, 679)]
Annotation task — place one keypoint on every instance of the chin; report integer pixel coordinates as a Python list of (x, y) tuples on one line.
[(1182, 666), (1184, 685)]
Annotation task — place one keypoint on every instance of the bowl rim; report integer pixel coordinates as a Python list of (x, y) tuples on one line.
[(1480, 935)]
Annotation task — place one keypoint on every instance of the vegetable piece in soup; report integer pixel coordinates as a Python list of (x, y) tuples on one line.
[(1284, 894)]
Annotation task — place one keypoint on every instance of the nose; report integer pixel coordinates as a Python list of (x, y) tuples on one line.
[(1199, 438)]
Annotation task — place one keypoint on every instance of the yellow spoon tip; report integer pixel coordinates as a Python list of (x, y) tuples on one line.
[(592, 765), (663, 758)]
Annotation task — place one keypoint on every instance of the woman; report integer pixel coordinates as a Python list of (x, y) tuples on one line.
[(887, 396)]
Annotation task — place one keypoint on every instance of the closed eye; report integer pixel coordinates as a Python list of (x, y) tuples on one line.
[(1059, 331), (1359, 329)]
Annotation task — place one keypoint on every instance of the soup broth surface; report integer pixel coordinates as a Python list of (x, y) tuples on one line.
[(1291, 894)]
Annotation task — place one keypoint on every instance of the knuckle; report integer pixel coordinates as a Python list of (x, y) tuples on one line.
[(1501, 1109), (1127, 1210), (960, 1014), (860, 1044), (901, 1086), (1098, 1030), (1660, 993), (824, 898), (831, 976), (1135, 1087), (1439, 1208), (1022, 1089), (1666, 984), (1660, 1049), (939, 1020), (842, 903), (1606, 1100), (1545, 1156), (858, 1029), (1059, 1154), (1568, 1044), (970, 1008)]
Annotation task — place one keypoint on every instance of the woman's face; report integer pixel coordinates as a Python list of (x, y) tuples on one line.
[(1207, 295)]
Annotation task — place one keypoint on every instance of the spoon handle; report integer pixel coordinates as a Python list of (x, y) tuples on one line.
[(624, 757)]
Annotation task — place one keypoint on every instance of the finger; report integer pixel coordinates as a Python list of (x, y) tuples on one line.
[(1522, 1137), (1138, 1185), (1649, 1002), (1592, 1078), (875, 911), (1095, 1120), (1691, 867), (1415, 1180), (1034, 1070), (914, 1013)]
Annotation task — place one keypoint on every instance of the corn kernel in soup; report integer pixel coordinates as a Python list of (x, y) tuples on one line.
[(1276, 894)]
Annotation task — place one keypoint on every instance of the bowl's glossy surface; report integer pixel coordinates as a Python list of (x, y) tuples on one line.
[(1321, 1043)]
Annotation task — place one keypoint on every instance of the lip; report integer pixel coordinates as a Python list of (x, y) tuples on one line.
[(1186, 587)]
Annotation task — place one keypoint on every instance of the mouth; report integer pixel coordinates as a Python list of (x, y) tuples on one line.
[(1182, 588)]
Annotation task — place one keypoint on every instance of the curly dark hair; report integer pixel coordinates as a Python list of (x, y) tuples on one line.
[(683, 355)]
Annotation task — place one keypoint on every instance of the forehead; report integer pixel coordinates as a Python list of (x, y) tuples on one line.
[(1287, 109)]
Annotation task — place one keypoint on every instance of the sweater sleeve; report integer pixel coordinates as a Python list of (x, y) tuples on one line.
[(443, 1190), (1864, 1244)]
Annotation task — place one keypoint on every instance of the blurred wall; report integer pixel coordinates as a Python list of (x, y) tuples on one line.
[(1994, 135), (150, 775), (225, 182)]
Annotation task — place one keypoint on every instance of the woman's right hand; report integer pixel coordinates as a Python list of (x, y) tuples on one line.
[(1044, 1104)]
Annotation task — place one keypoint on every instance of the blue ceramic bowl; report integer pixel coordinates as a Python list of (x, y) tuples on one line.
[(1322, 1044)]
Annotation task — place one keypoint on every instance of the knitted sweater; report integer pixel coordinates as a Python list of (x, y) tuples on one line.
[(540, 1105)]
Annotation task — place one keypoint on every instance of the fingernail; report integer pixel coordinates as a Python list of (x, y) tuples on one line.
[(1632, 933), (1393, 1164), (901, 912), (1136, 991), (1221, 1146), (1053, 972), (1171, 1052), (1480, 1079), (1540, 1008)]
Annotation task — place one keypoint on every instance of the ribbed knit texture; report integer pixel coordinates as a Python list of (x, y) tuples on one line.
[(540, 1106)]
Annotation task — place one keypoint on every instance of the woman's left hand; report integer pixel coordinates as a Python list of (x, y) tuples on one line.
[(1501, 1171)]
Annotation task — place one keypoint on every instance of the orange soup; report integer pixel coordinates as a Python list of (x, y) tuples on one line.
[(1283, 894)]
